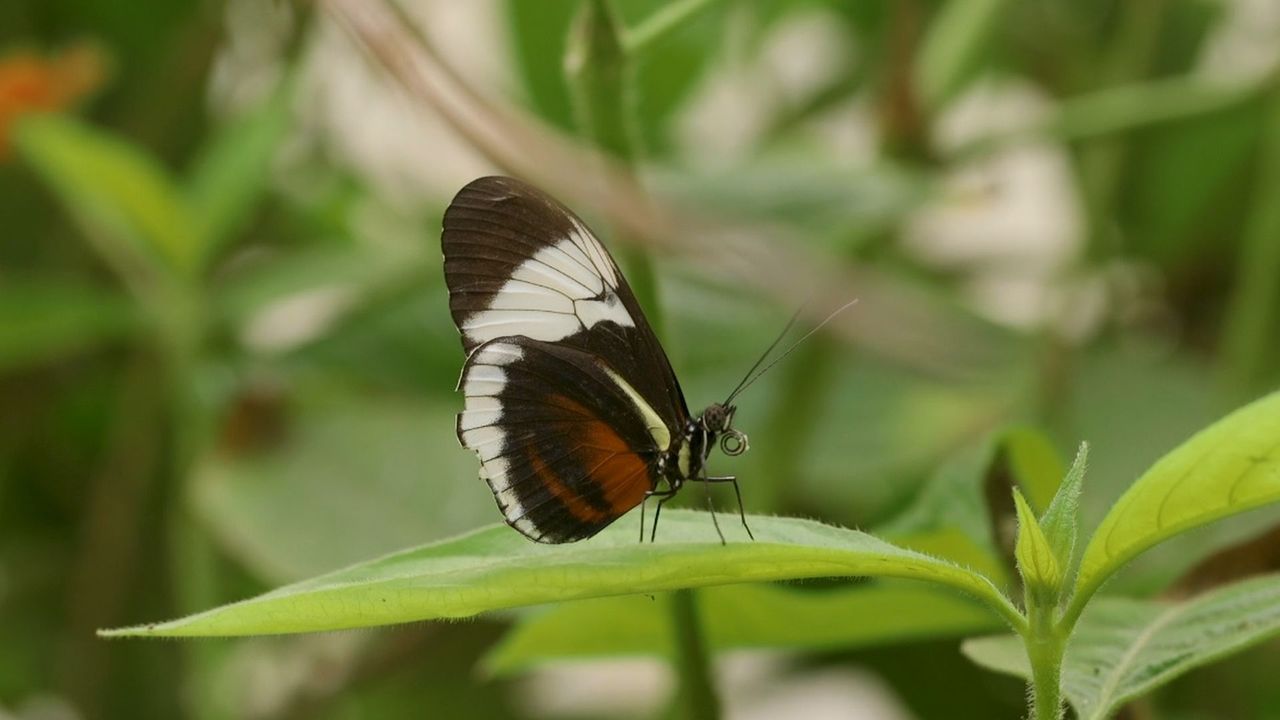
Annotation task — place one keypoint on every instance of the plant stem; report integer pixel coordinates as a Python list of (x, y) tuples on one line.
[(598, 69), (1046, 678), (600, 79), (1248, 341), (696, 694), (793, 418), (183, 333), (1046, 643), (1125, 60)]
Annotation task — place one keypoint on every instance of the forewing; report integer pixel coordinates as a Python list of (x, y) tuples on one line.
[(564, 443), (518, 263)]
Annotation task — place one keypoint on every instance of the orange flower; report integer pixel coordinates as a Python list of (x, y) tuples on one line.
[(32, 83)]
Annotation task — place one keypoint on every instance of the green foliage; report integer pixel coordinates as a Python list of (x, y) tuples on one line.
[(307, 466), (43, 321), (258, 388), (231, 174), (1123, 649), (1226, 469), (958, 36), (495, 568), (663, 77), (1037, 562), (958, 499), (1061, 522), (737, 617), (127, 205)]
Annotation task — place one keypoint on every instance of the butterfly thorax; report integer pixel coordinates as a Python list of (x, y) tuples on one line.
[(686, 458)]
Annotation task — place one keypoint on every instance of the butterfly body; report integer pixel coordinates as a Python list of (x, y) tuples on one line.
[(571, 402)]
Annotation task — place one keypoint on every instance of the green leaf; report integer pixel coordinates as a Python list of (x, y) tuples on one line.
[(953, 45), (1123, 649), (1165, 400), (1125, 108), (1226, 469), (127, 204), (41, 321), (319, 460), (1004, 653), (956, 498), (1136, 105), (537, 32), (1062, 520), (231, 173), (1041, 573), (741, 617), (664, 75), (662, 22), (600, 79), (495, 568)]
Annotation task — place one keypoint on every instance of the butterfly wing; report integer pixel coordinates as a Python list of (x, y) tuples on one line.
[(565, 444), (524, 270), (517, 262)]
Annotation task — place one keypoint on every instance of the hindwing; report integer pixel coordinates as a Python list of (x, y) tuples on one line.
[(565, 444)]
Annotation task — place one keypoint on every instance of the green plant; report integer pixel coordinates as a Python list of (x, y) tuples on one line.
[(201, 459), (1097, 659)]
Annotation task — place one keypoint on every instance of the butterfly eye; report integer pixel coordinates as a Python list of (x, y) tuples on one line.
[(734, 442)]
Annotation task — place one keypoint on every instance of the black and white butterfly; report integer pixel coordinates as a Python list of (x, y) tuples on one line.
[(571, 403)]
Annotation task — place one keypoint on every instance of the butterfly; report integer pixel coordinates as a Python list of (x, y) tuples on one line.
[(570, 401)]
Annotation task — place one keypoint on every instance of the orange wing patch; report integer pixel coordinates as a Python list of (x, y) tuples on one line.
[(577, 507), (623, 476)]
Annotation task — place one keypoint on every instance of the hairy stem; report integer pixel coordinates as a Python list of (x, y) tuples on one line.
[(1046, 679), (1046, 642)]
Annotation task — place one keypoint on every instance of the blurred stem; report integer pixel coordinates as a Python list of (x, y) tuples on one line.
[(903, 125), (599, 76), (1102, 162), (662, 23), (112, 535), (1249, 338), (599, 71), (1055, 357), (960, 32), (195, 574), (600, 81), (794, 417), (182, 329), (696, 694)]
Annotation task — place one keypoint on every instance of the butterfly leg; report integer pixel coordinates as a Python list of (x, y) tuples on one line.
[(706, 484), (663, 496), (738, 493)]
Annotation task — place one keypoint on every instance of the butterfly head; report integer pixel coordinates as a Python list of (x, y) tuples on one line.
[(717, 421)]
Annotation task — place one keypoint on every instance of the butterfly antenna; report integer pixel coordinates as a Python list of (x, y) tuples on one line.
[(785, 329), (749, 380)]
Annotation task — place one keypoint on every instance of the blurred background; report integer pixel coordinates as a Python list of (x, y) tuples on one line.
[(226, 361)]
